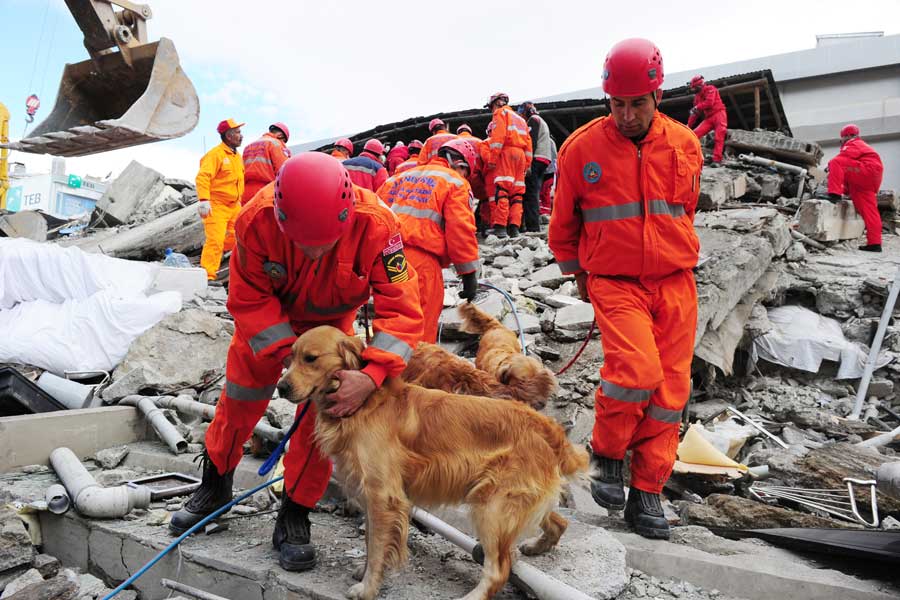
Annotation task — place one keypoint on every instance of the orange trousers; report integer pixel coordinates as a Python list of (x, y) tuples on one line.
[(647, 331), (251, 187), (219, 228), (431, 289), (249, 384), (505, 187)]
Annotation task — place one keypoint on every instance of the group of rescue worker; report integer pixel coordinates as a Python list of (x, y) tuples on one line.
[(316, 235)]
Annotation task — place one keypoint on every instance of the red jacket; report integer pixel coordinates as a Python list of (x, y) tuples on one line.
[(262, 160), (397, 155), (708, 102), (275, 291), (366, 171), (624, 209)]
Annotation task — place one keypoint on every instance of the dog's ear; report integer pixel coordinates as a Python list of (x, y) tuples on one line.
[(503, 373), (350, 350)]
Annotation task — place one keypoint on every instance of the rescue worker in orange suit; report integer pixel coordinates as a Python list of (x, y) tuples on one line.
[(439, 136), (343, 149), (710, 111), (542, 144), (311, 248), (367, 170), (398, 154), (857, 171), (433, 203), (622, 224), (483, 212), (220, 187), (507, 156), (414, 147), (263, 158)]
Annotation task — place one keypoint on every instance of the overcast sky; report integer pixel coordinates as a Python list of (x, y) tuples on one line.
[(333, 67)]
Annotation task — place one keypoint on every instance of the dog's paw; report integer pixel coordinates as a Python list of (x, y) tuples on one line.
[(533, 548), (359, 572), (358, 592)]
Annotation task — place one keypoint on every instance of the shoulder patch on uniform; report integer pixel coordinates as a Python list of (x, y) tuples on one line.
[(394, 244), (394, 260), (592, 172)]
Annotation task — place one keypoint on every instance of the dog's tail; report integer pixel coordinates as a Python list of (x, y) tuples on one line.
[(476, 320), (573, 461), (534, 391)]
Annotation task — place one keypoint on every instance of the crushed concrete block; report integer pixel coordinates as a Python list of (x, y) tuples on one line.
[(153, 361), (888, 200), (91, 587), (825, 221), (561, 300), (15, 543), (536, 292), (127, 194), (503, 261), (764, 186), (549, 276), (111, 457), (575, 317), (776, 145), (796, 252), (880, 388), (46, 564), (530, 323), (712, 193), (281, 413), (26, 579), (28, 224)]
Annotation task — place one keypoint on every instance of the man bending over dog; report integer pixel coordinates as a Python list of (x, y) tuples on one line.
[(627, 188), (310, 247)]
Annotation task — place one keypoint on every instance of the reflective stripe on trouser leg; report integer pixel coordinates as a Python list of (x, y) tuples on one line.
[(249, 383), (655, 443), (500, 207), (631, 369), (431, 289), (516, 210), (306, 469)]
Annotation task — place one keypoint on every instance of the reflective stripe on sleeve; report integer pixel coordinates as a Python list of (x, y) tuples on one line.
[(612, 213), (624, 394), (466, 267), (270, 335), (394, 345), (236, 391)]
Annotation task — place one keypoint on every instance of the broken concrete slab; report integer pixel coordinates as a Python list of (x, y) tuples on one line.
[(549, 276), (26, 579), (712, 193), (530, 323), (47, 565), (888, 200), (109, 458), (15, 543), (127, 194), (28, 224), (492, 303), (575, 317), (721, 185), (773, 144), (151, 362), (825, 221)]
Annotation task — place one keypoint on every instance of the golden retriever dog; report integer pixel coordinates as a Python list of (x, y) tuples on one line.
[(433, 367), (408, 445), (500, 354)]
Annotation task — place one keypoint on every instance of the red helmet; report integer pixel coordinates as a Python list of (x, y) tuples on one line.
[(463, 127), (497, 96), (284, 129), (345, 144), (697, 81), (374, 146), (466, 149), (313, 199), (434, 124), (633, 67), (415, 145), (849, 130)]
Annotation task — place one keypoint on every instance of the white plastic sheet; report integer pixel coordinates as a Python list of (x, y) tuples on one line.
[(62, 309), (802, 339)]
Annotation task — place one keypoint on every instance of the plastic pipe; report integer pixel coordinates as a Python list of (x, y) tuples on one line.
[(189, 591), (772, 164), (58, 501), (186, 404), (533, 580), (90, 499), (880, 440), (888, 477), (70, 394), (876, 348), (164, 429)]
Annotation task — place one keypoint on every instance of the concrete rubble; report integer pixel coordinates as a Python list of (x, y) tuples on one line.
[(762, 246)]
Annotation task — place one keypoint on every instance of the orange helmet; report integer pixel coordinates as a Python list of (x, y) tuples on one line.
[(464, 150)]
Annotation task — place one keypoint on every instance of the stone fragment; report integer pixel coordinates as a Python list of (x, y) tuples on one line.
[(537, 292), (577, 316), (561, 301), (15, 543), (549, 276), (712, 193), (46, 564), (888, 200), (725, 511), (110, 458), (504, 261), (825, 221), (90, 586), (530, 323), (26, 579), (281, 412), (796, 252)]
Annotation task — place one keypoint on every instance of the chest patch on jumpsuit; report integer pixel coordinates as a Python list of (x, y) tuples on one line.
[(275, 270), (394, 260), (592, 172)]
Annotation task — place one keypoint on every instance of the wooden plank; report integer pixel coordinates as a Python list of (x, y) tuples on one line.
[(756, 113), (772, 105), (737, 110)]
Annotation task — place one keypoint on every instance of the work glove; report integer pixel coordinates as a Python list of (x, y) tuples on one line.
[(204, 208), (469, 286), (694, 110), (581, 281)]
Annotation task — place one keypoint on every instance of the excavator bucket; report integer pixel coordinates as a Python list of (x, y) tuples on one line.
[(104, 104)]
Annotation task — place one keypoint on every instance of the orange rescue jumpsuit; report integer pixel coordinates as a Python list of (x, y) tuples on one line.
[(277, 293), (624, 213), (262, 160), (406, 165), (434, 206), (432, 145), (221, 181), (476, 180), (507, 154), (857, 170)]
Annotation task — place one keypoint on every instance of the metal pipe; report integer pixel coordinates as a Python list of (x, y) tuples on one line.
[(888, 478), (58, 501), (880, 440), (876, 348), (164, 429), (90, 499), (772, 164), (190, 591), (523, 575), (186, 404), (756, 426), (807, 240)]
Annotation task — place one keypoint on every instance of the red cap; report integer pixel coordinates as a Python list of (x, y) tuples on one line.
[(849, 129), (284, 129), (633, 67), (228, 124)]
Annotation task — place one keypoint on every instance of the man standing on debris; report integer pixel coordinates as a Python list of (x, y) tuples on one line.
[(506, 155), (433, 203), (263, 158), (311, 248), (343, 149), (220, 186), (622, 223), (439, 136), (414, 147), (543, 146), (857, 171), (367, 170), (710, 111)]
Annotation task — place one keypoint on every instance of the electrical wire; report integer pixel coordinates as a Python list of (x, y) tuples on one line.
[(580, 350)]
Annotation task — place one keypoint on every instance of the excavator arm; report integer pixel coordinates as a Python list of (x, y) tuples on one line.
[(131, 91)]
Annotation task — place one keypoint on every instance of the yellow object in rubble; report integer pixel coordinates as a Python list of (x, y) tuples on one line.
[(695, 449), (278, 471)]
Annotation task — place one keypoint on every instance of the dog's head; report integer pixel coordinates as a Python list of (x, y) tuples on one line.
[(317, 355), (533, 382)]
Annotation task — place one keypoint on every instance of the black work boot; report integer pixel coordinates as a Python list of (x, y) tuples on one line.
[(500, 231), (513, 231), (645, 513), (871, 248), (214, 491), (607, 484), (291, 537)]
